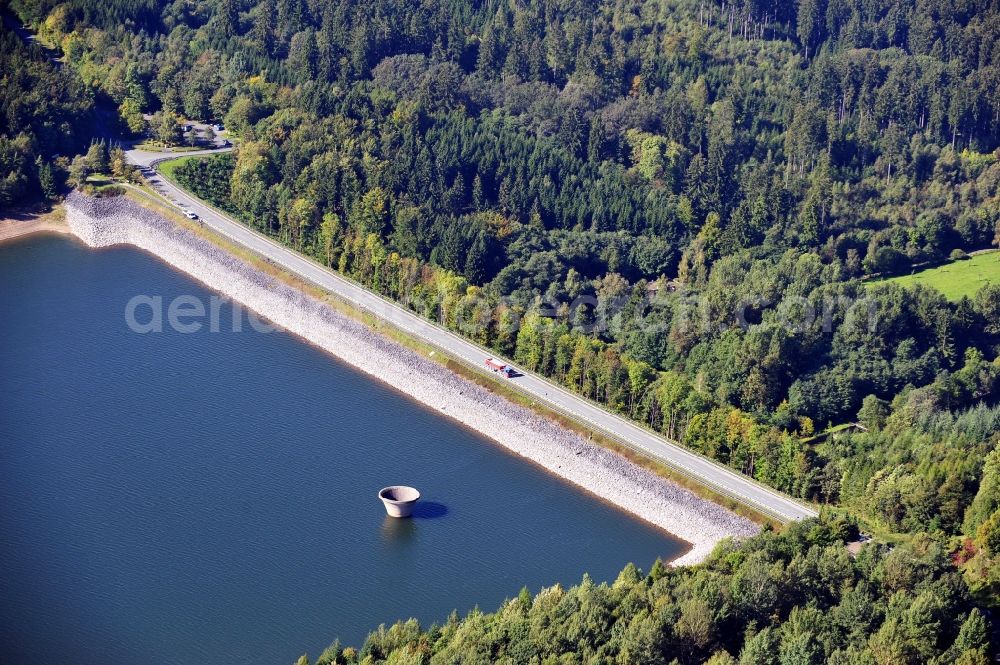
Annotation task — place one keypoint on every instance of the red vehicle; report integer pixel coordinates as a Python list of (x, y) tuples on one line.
[(499, 367)]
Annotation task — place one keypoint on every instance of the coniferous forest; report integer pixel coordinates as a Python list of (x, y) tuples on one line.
[(673, 208)]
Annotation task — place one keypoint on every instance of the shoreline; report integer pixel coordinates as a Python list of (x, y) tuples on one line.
[(601, 472), (22, 224)]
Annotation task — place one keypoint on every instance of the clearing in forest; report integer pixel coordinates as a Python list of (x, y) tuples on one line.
[(957, 278)]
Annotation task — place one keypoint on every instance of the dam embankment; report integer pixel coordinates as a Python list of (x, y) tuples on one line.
[(604, 473)]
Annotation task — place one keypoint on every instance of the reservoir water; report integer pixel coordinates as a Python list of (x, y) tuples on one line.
[(177, 498)]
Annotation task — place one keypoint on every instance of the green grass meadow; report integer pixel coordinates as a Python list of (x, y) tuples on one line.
[(957, 278), (168, 168)]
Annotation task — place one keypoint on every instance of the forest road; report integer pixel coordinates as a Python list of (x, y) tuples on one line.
[(704, 471)]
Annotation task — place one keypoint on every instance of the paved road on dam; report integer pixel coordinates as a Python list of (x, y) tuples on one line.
[(711, 474)]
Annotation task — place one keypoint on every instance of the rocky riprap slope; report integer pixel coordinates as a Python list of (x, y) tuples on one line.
[(112, 221)]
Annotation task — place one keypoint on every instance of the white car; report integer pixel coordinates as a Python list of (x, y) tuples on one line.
[(190, 215)]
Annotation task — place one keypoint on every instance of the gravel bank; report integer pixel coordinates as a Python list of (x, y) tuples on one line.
[(103, 222)]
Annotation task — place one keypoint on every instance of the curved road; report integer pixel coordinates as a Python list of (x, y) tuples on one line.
[(719, 478)]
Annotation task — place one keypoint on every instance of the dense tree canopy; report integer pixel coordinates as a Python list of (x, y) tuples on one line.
[(795, 598), (45, 113)]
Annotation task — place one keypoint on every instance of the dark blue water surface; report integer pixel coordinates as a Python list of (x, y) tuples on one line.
[(172, 498)]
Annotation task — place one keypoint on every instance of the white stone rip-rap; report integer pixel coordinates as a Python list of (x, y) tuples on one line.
[(608, 475)]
